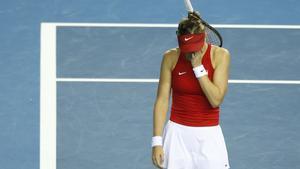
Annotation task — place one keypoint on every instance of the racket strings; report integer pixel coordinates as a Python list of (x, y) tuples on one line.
[(212, 37)]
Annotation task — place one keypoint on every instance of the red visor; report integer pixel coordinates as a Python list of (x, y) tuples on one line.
[(191, 42)]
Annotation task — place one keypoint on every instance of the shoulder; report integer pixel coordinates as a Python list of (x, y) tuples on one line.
[(171, 53), (170, 57), (220, 55)]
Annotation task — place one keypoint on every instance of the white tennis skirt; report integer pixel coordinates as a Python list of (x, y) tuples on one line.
[(187, 147)]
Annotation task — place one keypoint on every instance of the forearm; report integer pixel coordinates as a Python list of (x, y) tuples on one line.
[(159, 116), (212, 92)]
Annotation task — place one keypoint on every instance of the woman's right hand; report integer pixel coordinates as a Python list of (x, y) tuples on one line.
[(158, 156)]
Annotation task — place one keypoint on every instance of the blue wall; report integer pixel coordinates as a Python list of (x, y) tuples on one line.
[(20, 47)]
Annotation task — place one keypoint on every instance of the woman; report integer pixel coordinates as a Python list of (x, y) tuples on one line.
[(197, 73)]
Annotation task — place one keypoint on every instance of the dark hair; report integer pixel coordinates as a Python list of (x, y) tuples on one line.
[(191, 25)]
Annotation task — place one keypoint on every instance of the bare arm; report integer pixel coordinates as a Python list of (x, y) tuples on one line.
[(163, 94), (216, 90)]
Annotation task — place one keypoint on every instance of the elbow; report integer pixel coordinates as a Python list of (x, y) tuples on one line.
[(216, 103)]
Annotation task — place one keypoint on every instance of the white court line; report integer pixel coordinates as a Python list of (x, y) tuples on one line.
[(107, 80), (297, 82), (118, 80), (158, 25), (48, 97)]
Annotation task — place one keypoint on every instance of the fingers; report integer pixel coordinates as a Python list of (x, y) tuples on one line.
[(195, 59), (158, 160), (193, 55), (155, 161), (161, 160)]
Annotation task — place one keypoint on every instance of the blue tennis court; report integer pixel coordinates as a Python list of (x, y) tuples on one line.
[(104, 114), (78, 90)]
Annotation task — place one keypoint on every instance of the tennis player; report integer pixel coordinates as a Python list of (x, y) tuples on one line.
[(196, 73)]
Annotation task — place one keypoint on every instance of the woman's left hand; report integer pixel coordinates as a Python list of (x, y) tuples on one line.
[(196, 59)]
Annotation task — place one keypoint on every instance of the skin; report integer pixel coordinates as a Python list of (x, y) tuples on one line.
[(214, 90)]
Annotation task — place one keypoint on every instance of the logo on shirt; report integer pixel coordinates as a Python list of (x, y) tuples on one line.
[(181, 73)]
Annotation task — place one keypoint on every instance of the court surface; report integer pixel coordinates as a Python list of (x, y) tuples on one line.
[(104, 120)]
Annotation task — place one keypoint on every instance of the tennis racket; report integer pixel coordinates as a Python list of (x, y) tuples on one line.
[(212, 35)]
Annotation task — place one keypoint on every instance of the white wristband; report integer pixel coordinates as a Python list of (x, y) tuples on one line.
[(199, 71), (156, 141)]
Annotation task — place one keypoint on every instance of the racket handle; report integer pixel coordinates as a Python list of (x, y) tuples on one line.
[(188, 6)]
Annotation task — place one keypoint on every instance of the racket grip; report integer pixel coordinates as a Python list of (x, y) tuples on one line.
[(188, 6)]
